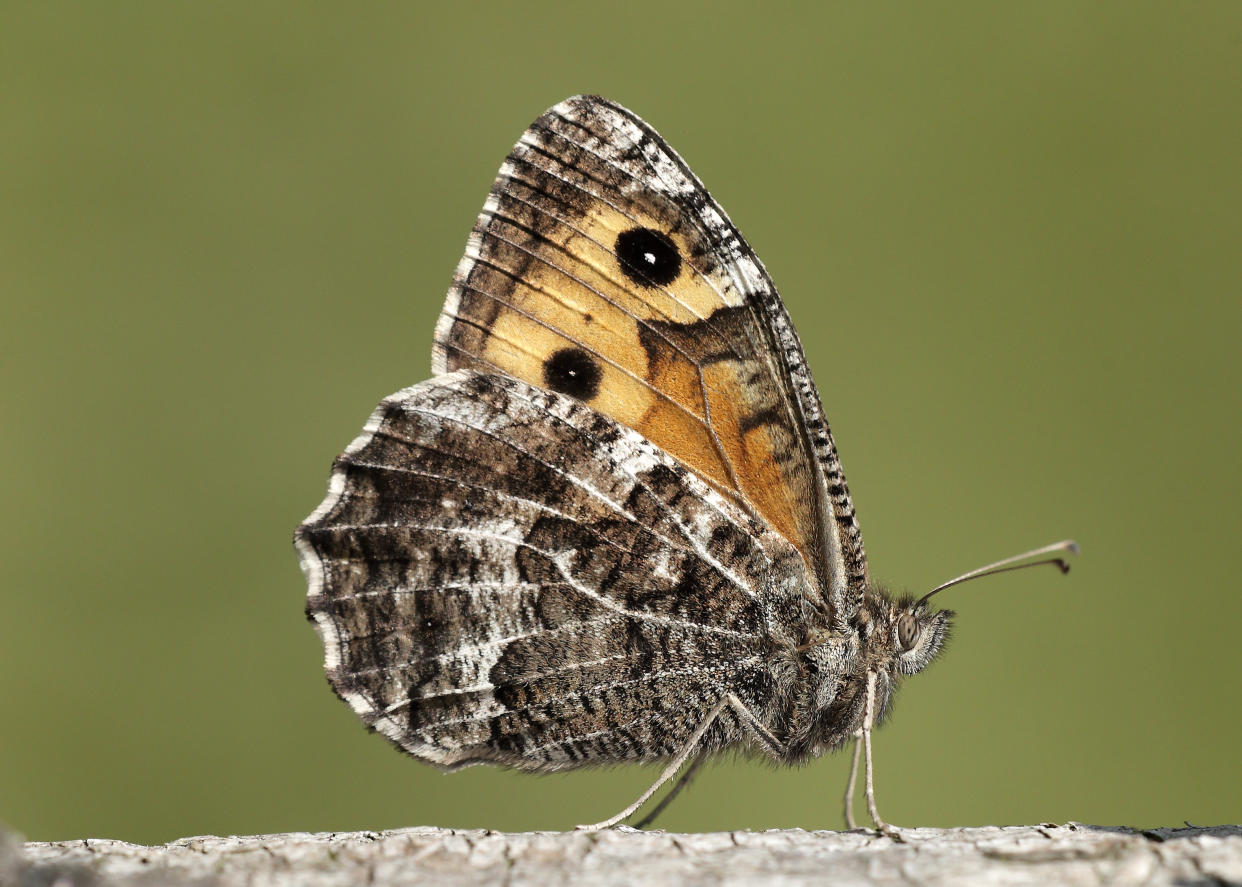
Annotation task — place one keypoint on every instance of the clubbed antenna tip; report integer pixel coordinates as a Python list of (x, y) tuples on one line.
[(1066, 546)]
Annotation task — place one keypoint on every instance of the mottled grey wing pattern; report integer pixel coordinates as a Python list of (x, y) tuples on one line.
[(500, 573), (698, 362)]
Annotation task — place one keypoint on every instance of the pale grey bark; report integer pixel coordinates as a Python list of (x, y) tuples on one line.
[(1071, 854)]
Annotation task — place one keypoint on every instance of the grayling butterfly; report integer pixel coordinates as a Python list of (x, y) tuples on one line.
[(613, 525)]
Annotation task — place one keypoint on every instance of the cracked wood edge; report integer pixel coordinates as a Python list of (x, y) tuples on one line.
[(1072, 854)]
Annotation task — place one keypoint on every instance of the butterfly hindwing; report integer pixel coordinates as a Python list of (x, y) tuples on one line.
[(602, 269), (502, 573)]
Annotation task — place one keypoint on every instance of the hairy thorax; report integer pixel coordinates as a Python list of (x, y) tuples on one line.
[(890, 637)]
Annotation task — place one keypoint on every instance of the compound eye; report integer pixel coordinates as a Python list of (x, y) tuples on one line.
[(907, 632)]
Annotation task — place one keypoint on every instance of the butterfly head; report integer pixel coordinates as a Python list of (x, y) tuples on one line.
[(902, 637), (897, 636), (915, 635), (888, 637)]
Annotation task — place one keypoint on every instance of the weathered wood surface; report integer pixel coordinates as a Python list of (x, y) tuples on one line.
[(1072, 854)]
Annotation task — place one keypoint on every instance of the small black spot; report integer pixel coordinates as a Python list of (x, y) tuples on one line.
[(572, 371), (648, 257), (766, 416)]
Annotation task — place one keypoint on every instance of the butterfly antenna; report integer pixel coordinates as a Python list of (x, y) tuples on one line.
[(1012, 563)]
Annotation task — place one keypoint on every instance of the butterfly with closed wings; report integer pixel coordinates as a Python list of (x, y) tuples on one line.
[(613, 526)]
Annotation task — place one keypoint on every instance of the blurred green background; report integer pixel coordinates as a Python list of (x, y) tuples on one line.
[(226, 231)]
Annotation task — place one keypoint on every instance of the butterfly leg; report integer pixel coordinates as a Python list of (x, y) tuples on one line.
[(669, 772), (850, 823), (762, 733), (868, 723), (680, 784)]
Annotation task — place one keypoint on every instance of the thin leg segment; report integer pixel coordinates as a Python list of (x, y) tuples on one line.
[(849, 786), (745, 716), (868, 723), (681, 783)]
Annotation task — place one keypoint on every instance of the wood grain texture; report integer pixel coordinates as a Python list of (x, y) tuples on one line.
[(1072, 854)]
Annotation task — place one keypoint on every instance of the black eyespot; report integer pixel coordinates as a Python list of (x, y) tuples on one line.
[(648, 257), (907, 632), (572, 371)]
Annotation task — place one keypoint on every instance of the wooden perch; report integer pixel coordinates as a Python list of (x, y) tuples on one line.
[(1072, 854)]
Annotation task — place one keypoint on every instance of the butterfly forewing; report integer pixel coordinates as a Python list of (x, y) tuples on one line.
[(501, 573), (601, 268)]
